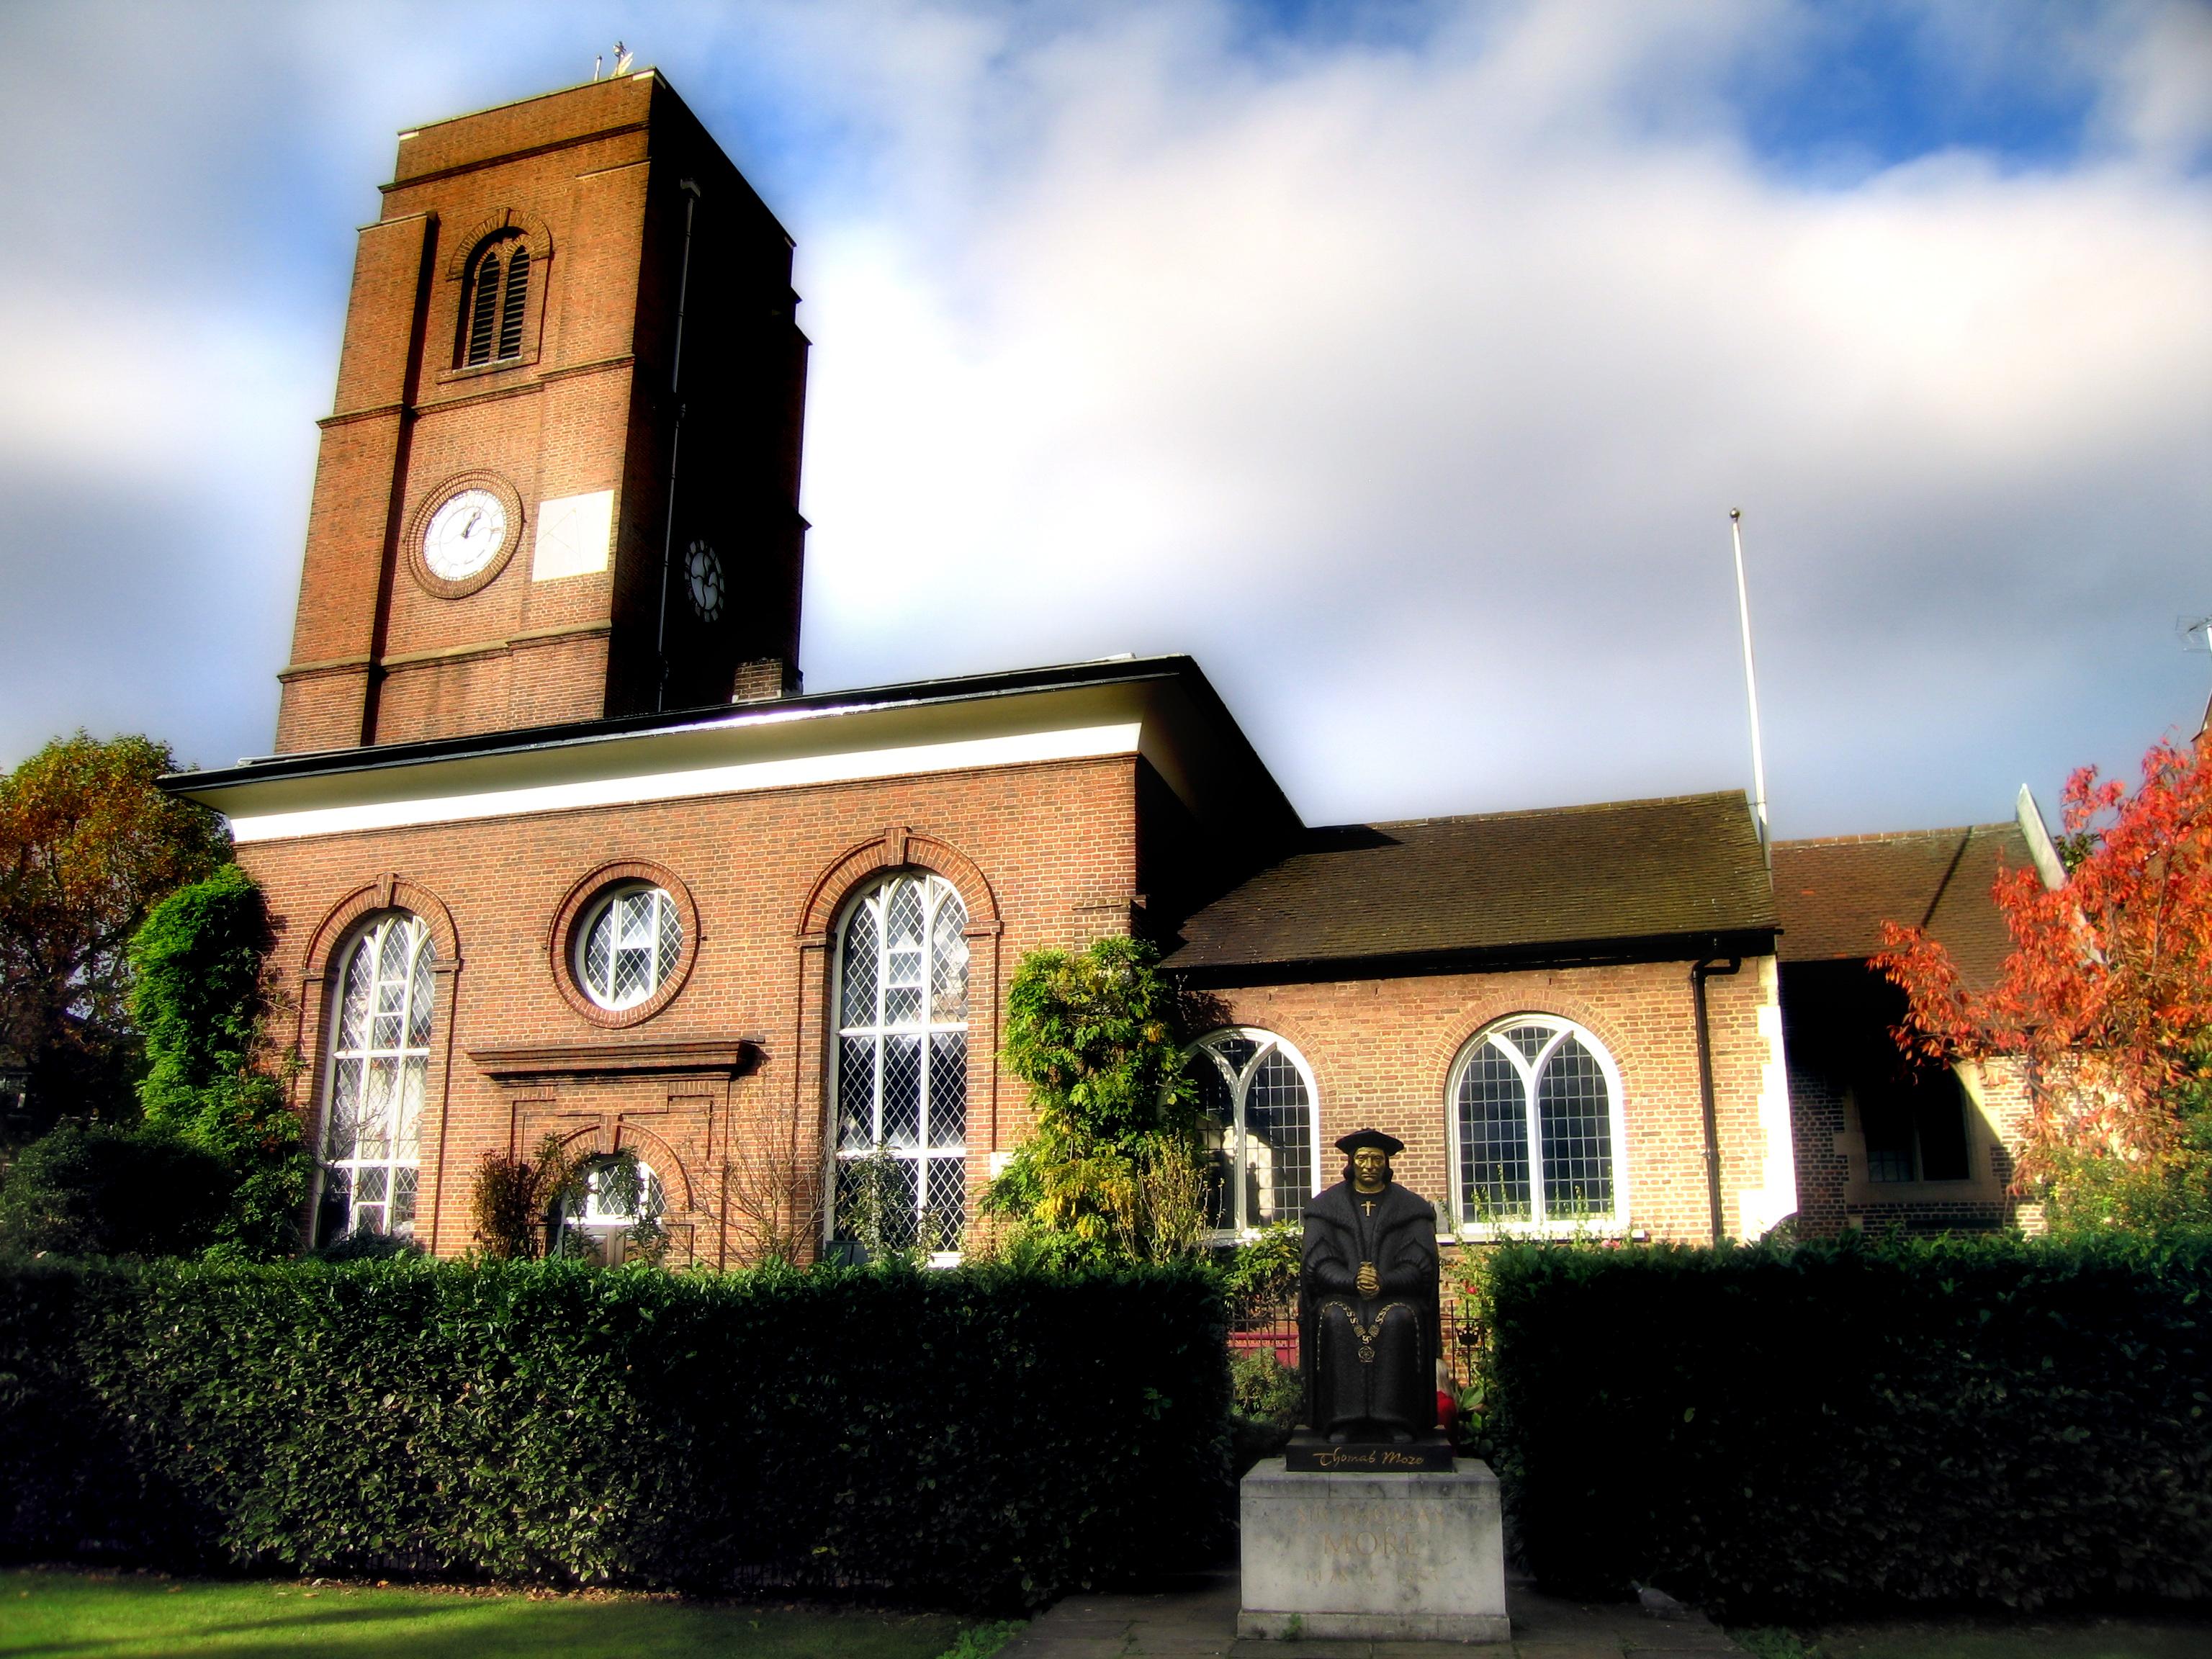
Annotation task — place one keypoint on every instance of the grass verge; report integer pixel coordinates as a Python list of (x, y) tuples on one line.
[(47, 1614)]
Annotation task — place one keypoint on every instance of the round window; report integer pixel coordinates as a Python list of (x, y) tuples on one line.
[(628, 946)]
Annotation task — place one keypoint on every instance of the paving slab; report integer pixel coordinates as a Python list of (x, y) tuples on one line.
[(1195, 1617)]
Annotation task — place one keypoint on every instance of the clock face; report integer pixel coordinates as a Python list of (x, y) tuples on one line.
[(702, 576), (464, 534)]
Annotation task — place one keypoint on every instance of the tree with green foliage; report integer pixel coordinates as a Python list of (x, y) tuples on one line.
[(1113, 1170), (202, 1001), (88, 843), (216, 1164)]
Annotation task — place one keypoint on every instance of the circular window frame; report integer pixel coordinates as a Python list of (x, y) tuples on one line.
[(419, 525), (582, 902)]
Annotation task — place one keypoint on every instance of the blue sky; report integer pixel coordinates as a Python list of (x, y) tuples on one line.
[(1401, 360)]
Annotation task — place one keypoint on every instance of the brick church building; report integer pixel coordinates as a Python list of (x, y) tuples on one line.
[(557, 844)]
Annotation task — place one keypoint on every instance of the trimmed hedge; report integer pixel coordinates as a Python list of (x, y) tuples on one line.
[(979, 1437), (1834, 1428)]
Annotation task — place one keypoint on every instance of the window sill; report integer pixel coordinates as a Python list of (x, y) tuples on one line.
[(478, 371), (1489, 1232)]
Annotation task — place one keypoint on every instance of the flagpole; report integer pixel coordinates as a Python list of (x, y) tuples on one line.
[(1751, 690)]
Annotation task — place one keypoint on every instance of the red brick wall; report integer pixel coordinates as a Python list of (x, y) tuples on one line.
[(1043, 855), (1382, 1052)]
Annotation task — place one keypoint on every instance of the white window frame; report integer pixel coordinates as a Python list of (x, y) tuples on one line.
[(667, 914), (936, 892), (1539, 1225), (1240, 1085), (412, 1066)]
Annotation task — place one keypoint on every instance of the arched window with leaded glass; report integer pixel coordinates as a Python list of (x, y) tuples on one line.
[(1260, 1123), (379, 1065), (1536, 1130), (901, 1065)]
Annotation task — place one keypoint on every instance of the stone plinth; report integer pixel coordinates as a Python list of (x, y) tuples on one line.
[(1382, 1557)]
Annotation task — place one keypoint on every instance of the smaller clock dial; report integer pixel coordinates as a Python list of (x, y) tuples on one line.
[(464, 534), (702, 576)]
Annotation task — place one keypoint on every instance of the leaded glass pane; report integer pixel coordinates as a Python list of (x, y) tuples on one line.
[(947, 1201), (1493, 1140), (599, 956), (1528, 1039), (860, 974), (373, 1138), (422, 997), (394, 956), (388, 1028), (1235, 1050), (856, 1093), (403, 1198), (849, 1174), (1217, 1136), (361, 976), (901, 1176), (671, 934), (345, 1108), (902, 954), (948, 958), (948, 1089), (406, 1133), (1278, 1142), (1574, 1119), (902, 1092)]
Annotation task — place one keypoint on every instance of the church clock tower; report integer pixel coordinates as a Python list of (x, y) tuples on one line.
[(560, 481)]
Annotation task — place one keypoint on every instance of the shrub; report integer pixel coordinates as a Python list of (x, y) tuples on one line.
[(1830, 1429), (202, 1000), (94, 1189), (978, 1437), (1113, 1170)]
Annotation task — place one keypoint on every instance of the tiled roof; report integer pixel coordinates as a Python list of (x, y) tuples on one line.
[(1568, 878), (1835, 895)]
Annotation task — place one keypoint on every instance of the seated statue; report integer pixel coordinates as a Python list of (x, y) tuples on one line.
[(1368, 1301)]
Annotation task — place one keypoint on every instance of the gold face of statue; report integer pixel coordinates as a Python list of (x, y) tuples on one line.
[(1370, 1169)]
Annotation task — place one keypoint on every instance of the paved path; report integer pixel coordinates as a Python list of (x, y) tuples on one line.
[(1196, 1618)]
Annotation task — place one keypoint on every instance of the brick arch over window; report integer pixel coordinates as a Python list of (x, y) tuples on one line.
[(898, 848), (1445, 1049), (532, 232), (385, 893), (594, 1140)]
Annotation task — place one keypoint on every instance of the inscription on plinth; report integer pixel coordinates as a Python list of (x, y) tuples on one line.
[(1377, 1556)]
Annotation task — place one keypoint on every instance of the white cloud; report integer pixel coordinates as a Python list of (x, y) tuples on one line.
[(1404, 378)]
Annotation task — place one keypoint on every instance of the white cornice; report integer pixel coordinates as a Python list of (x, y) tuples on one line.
[(1073, 742)]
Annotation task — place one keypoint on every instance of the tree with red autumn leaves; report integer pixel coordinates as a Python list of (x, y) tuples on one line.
[(2105, 1002)]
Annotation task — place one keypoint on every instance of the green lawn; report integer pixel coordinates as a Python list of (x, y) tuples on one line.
[(1962, 1638), (72, 1615)]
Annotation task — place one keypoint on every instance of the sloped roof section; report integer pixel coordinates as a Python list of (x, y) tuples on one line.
[(1834, 895), (1561, 883)]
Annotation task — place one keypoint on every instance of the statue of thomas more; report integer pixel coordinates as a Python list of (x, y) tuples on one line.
[(1368, 1293)]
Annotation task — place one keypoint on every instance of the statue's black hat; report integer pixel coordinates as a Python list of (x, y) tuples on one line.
[(1390, 1145)]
